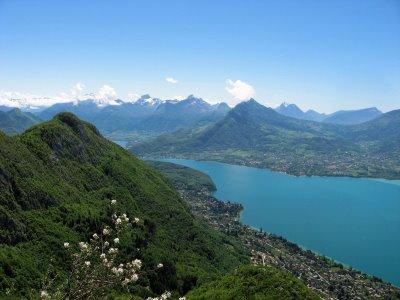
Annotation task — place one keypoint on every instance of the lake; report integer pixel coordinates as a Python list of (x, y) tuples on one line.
[(354, 221)]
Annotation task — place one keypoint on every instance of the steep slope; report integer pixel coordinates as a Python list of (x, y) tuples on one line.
[(255, 135), (56, 181), (380, 134), (348, 117), (254, 282), (15, 121)]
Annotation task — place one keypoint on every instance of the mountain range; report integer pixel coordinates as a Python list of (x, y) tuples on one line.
[(344, 117), (15, 121), (146, 114), (255, 135), (149, 117)]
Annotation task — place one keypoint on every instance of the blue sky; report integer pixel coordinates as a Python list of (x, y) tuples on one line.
[(326, 55)]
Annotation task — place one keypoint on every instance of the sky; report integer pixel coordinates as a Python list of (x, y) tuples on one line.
[(324, 55)]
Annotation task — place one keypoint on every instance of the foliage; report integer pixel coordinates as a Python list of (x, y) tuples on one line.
[(192, 179), (56, 181), (95, 268), (254, 282)]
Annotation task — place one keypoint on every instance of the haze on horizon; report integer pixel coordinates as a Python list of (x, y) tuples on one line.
[(325, 56)]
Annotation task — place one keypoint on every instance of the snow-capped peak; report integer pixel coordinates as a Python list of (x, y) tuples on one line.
[(147, 100)]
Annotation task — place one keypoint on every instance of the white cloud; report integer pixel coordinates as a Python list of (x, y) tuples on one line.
[(177, 97), (240, 90), (106, 96), (132, 97), (171, 80), (77, 90), (21, 100)]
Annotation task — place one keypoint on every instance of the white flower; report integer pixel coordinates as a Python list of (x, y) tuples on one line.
[(118, 221), (126, 219), (83, 246), (114, 270), (113, 202), (106, 231), (182, 298), (44, 295), (66, 245), (136, 220), (160, 265), (95, 236), (137, 263), (103, 255), (106, 243), (166, 295), (134, 277), (87, 263), (116, 240), (112, 250)]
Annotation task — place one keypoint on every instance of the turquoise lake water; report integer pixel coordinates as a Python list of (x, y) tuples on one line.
[(354, 221)]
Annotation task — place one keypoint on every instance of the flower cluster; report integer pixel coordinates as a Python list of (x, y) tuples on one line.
[(164, 296), (94, 268)]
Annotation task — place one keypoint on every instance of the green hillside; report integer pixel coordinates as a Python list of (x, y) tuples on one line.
[(254, 135), (56, 182), (15, 121), (254, 282), (181, 176)]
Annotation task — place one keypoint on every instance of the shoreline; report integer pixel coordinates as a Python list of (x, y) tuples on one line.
[(379, 179), (240, 219), (247, 165)]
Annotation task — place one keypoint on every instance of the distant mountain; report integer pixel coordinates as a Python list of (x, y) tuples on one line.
[(5, 108), (381, 134), (15, 121), (171, 116), (255, 135), (313, 115), (344, 117), (146, 114), (292, 110), (86, 109), (147, 100), (347, 117)]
